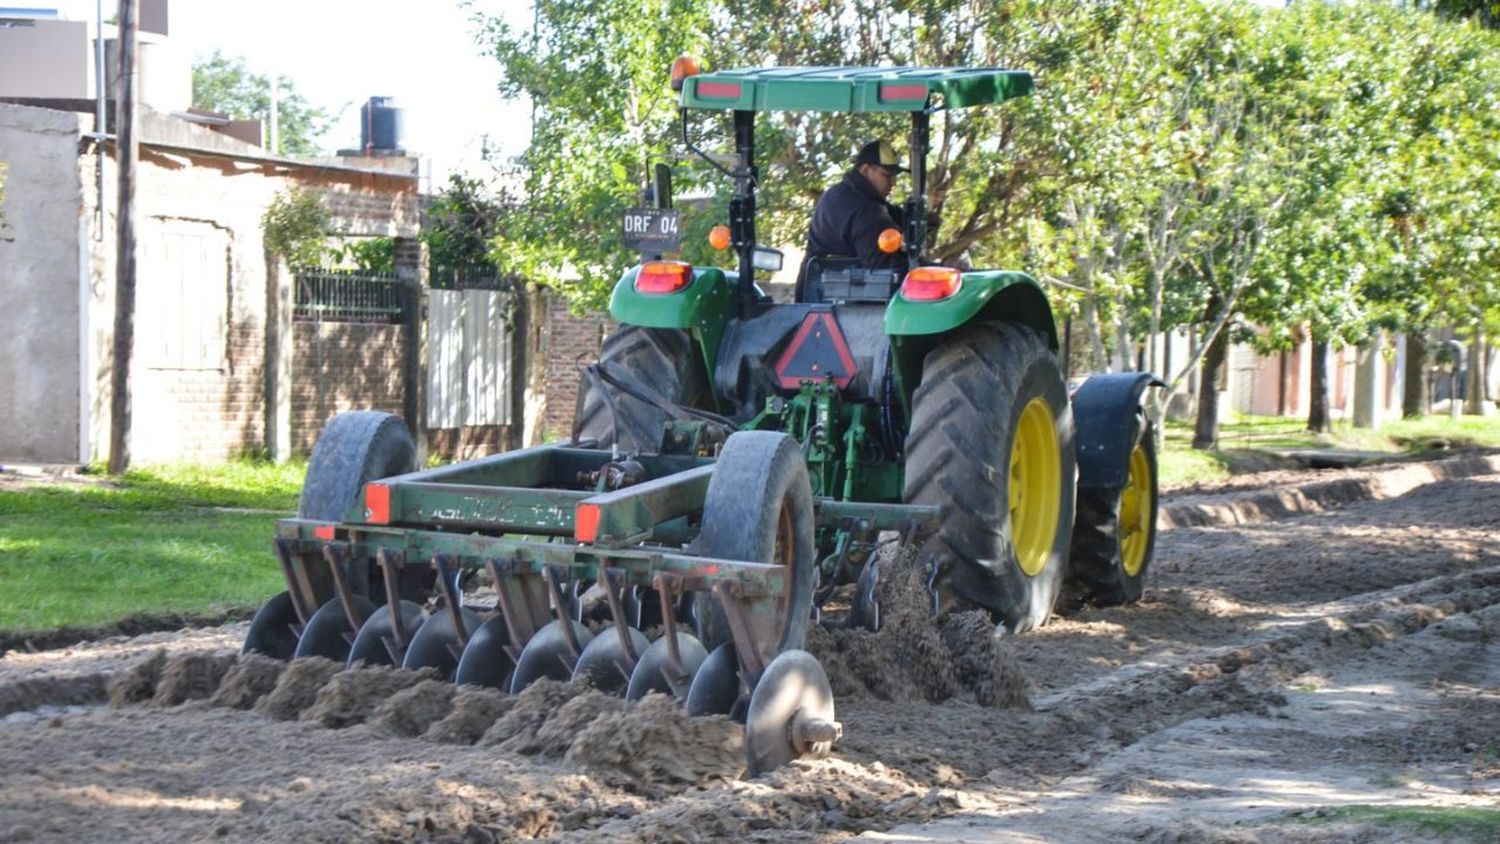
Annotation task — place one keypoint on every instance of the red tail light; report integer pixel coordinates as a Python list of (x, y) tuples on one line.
[(929, 284), (664, 276)]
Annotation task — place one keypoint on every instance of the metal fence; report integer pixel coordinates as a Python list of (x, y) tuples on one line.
[(474, 277), (324, 295)]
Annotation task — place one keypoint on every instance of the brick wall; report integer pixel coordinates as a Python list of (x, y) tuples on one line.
[(468, 442), (339, 366), (205, 415), (567, 343)]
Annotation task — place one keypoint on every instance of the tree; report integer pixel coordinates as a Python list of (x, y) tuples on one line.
[(595, 72), (459, 227), (226, 85)]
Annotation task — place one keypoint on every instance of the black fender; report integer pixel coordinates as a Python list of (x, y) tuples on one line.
[(1106, 420)]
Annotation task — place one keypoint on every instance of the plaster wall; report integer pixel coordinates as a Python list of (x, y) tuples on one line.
[(199, 371), (43, 236)]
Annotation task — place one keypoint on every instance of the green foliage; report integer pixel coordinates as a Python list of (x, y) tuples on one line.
[(368, 255), (1321, 170), (295, 225), (226, 85), (459, 227), (595, 73)]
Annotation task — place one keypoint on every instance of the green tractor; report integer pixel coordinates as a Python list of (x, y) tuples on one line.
[(735, 460)]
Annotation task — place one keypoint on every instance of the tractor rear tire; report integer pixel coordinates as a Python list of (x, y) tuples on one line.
[(1114, 535), (759, 508), (991, 442), (663, 359), (353, 449)]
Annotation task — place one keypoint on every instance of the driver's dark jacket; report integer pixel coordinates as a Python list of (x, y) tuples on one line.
[(848, 220)]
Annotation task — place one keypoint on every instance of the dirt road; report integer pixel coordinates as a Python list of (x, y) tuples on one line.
[(1275, 671)]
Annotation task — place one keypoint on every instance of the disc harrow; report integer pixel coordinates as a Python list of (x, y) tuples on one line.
[(383, 586)]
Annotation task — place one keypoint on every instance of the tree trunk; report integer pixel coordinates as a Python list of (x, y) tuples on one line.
[(1414, 390), (1317, 415), (520, 361), (1206, 429), (1477, 403), (1098, 359)]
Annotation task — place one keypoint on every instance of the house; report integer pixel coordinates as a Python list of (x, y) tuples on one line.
[(217, 350)]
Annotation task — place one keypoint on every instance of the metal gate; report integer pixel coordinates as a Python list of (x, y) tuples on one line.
[(469, 358)]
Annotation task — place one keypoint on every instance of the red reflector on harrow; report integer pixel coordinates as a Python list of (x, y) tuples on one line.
[(377, 504), (323, 532), (663, 276), (586, 522), (929, 284)]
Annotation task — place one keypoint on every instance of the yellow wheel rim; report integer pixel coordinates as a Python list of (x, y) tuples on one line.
[(1035, 487), (1135, 513)]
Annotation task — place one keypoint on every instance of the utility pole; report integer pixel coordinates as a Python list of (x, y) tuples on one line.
[(127, 149)]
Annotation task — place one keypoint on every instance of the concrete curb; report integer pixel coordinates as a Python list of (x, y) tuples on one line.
[(1249, 507)]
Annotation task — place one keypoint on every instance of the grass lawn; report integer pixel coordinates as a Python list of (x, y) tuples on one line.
[(1246, 443), (1451, 823), (163, 540)]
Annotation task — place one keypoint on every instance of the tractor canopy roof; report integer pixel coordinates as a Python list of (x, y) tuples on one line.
[(867, 89)]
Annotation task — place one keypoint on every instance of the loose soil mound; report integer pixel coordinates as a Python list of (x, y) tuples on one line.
[(912, 658), (412, 712), (297, 688), (188, 677), (350, 696), (138, 685), (252, 677), (654, 744), (475, 710), (517, 729)]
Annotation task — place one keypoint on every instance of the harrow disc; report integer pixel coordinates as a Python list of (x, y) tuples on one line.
[(548, 655), (485, 662), (864, 607), (376, 641), (653, 672), (273, 632), (436, 644), (716, 686), (328, 633), (603, 665), (790, 714)]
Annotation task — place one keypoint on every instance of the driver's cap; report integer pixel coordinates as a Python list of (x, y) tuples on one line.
[(882, 154)]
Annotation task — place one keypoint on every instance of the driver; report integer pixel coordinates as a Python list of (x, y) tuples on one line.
[(850, 215)]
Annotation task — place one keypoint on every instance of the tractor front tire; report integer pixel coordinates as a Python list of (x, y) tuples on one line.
[(991, 443), (1115, 532), (662, 359)]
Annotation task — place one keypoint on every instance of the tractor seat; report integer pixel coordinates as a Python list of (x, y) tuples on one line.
[(836, 279)]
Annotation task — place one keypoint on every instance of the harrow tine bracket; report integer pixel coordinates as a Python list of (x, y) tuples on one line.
[(560, 606), (337, 555), (447, 569), (287, 554), (390, 568), (610, 581), (731, 596)]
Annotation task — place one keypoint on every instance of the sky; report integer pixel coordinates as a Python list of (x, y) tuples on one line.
[(339, 53)]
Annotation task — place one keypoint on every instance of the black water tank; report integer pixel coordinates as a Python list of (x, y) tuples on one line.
[(381, 125)]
